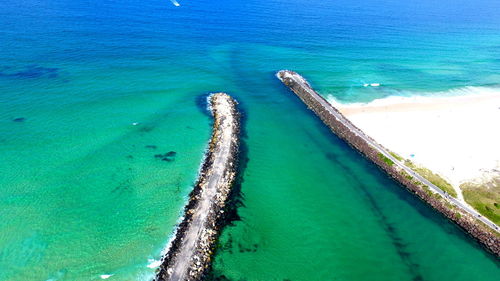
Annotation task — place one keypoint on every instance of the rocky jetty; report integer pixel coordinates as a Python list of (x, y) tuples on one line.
[(189, 254), (484, 231)]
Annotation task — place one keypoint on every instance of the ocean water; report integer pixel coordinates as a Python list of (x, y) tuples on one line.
[(91, 91)]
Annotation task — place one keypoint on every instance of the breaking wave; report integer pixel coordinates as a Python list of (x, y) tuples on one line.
[(403, 96)]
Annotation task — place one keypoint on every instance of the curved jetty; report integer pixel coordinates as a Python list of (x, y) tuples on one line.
[(482, 229), (189, 253)]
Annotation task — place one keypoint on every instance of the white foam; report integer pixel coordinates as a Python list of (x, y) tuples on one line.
[(419, 97), (175, 3), (153, 263), (105, 276)]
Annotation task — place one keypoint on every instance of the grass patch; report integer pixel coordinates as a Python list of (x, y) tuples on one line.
[(385, 159), (406, 175), (433, 178), (427, 190), (395, 155), (484, 198)]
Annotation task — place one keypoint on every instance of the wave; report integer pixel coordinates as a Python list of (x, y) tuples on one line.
[(371, 84), (404, 96), (153, 263)]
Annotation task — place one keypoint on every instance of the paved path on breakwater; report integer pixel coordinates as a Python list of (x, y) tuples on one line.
[(304, 85), (193, 251)]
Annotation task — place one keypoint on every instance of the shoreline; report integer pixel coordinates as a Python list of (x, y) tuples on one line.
[(481, 229), (436, 132), (188, 254), (467, 93)]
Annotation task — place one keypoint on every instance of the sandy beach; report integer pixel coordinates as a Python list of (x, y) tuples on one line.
[(455, 136)]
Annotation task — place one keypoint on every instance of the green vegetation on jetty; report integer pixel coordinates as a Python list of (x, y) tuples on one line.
[(395, 155), (485, 198), (385, 159), (433, 178)]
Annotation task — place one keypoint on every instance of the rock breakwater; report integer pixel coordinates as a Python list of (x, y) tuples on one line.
[(481, 229), (189, 254)]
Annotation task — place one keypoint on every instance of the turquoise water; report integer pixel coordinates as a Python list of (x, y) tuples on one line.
[(82, 194)]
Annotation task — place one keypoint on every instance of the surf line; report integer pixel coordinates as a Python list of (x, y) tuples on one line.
[(188, 255), (477, 226)]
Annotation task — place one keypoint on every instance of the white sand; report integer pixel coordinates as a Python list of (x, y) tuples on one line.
[(457, 137)]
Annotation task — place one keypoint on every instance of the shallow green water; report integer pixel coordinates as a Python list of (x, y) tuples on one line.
[(81, 193), (316, 210)]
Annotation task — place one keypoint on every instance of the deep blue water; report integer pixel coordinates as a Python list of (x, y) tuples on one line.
[(81, 195)]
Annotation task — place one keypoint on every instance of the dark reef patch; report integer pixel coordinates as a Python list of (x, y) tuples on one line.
[(150, 146), (146, 128), (122, 187), (169, 156), (251, 249), (228, 245), (29, 72), (19, 119)]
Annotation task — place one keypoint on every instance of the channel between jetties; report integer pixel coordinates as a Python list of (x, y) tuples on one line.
[(189, 254), (483, 230)]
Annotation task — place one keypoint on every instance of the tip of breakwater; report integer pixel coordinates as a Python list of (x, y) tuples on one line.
[(281, 73), (289, 78), (189, 253)]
